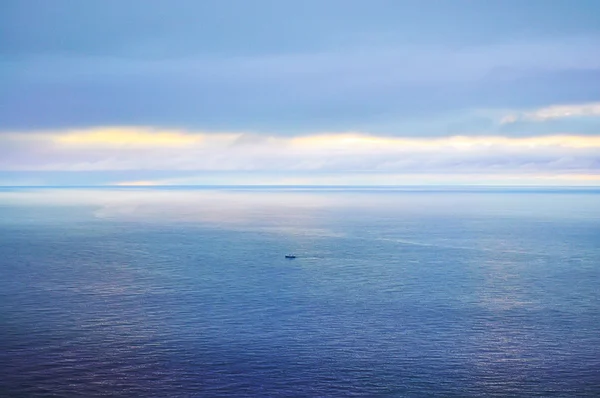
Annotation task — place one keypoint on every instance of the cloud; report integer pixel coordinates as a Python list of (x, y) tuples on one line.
[(131, 149), (344, 88), (286, 67), (554, 112), (135, 28)]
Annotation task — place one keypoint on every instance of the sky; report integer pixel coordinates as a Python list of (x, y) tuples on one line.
[(269, 92)]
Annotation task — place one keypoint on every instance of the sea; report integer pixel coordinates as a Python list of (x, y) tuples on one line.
[(394, 292)]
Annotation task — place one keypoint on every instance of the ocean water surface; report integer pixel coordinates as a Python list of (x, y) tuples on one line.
[(407, 292)]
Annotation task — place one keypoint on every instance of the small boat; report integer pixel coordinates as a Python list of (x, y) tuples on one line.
[(290, 256)]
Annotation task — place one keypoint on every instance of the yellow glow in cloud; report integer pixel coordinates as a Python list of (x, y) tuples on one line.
[(135, 137)]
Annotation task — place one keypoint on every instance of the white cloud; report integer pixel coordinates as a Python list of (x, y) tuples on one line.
[(554, 112), (106, 149)]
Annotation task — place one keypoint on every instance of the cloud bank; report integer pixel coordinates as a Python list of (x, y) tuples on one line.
[(139, 148)]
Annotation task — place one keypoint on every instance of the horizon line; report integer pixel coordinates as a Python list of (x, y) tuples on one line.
[(316, 186)]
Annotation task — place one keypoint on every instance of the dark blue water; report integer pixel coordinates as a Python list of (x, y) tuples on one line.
[(180, 293)]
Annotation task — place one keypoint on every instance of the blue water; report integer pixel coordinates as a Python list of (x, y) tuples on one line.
[(185, 293)]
